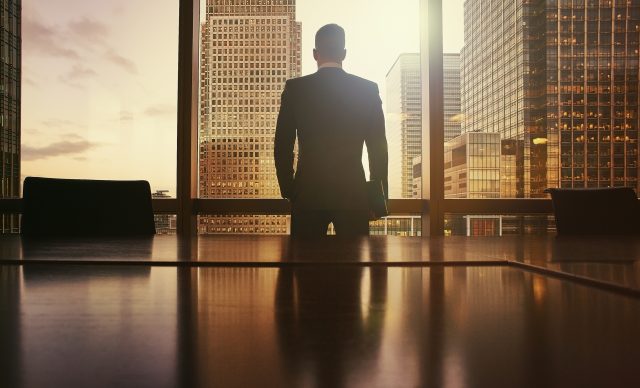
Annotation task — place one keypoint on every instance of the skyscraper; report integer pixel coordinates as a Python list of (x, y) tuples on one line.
[(249, 49), (10, 65), (452, 116), (559, 81), (404, 112), (403, 115)]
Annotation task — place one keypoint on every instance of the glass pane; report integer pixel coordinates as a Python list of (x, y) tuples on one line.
[(247, 53), (9, 101), (165, 223), (9, 223), (244, 224), (407, 226), (99, 88), (484, 225), (548, 97)]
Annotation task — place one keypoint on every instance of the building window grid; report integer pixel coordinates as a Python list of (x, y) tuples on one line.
[(569, 40), (600, 164), (247, 54)]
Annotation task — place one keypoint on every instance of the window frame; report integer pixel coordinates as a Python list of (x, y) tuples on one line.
[(431, 207)]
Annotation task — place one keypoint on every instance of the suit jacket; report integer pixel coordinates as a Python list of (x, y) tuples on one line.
[(333, 114)]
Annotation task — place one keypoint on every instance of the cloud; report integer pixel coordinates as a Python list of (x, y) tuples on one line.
[(31, 131), (60, 123), (72, 136), (121, 61), (160, 110), (72, 40), (77, 73), (118, 10), (74, 146), (38, 37), (91, 30)]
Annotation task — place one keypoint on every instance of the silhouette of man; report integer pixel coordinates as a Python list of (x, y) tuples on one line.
[(333, 114)]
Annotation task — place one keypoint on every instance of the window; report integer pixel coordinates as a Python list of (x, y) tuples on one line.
[(546, 100), (246, 55), (99, 90)]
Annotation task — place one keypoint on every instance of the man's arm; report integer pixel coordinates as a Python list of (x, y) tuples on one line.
[(377, 145), (284, 142)]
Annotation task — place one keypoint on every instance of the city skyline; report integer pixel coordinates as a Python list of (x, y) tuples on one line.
[(96, 84), (76, 93)]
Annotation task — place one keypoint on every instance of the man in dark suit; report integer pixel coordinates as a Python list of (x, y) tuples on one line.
[(333, 114)]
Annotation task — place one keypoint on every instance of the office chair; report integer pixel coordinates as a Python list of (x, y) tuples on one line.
[(596, 211), (86, 208)]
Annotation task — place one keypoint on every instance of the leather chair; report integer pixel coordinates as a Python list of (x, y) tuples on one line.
[(596, 211), (86, 208)]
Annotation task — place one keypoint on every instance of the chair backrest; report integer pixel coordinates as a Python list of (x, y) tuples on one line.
[(596, 211), (83, 208)]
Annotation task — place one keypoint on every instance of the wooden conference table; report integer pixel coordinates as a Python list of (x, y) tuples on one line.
[(267, 311)]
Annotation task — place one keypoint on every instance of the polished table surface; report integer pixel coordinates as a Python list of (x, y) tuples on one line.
[(265, 311), (608, 261)]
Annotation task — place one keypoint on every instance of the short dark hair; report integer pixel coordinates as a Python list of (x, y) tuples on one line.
[(330, 41)]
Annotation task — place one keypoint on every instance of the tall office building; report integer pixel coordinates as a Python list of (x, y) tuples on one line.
[(452, 116), (559, 81), (249, 49), (403, 115), (10, 61)]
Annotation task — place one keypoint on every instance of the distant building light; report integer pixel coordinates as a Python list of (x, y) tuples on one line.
[(457, 118)]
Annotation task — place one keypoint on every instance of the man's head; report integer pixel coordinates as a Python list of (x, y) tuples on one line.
[(329, 44)]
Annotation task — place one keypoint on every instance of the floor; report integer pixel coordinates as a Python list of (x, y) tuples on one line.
[(269, 312)]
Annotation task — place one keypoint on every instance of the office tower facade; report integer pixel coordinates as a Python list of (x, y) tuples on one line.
[(403, 115), (452, 109), (472, 166), (249, 49), (10, 65), (472, 170), (558, 80)]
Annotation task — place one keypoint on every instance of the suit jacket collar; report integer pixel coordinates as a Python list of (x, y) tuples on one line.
[(330, 70)]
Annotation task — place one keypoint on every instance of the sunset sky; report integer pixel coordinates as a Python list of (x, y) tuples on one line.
[(99, 77)]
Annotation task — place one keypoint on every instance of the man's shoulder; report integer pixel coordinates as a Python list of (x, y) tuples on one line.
[(363, 82), (292, 82), (353, 80)]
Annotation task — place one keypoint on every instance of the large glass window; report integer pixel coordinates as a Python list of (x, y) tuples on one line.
[(536, 95), (247, 53), (99, 90)]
